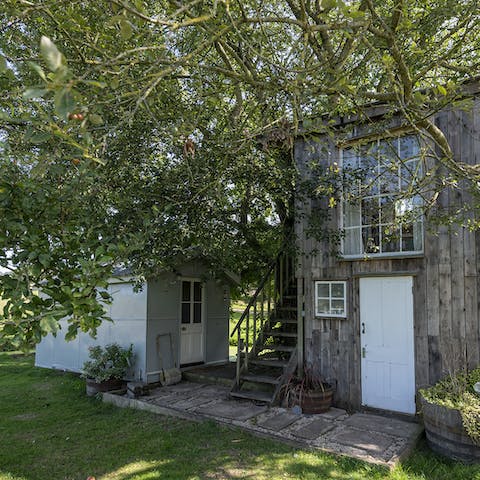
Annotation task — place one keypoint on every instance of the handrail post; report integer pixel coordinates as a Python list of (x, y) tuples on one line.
[(239, 353), (247, 337), (254, 326)]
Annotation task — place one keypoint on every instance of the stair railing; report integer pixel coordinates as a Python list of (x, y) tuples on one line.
[(267, 296)]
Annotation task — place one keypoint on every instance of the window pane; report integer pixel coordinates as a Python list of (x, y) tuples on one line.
[(323, 305), (338, 290), (387, 209), (409, 147), (350, 160), (197, 313), (351, 214), (407, 238), (323, 290), (418, 236), (369, 175), (370, 240), (370, 211), (389, 181), (185, 291), (338, 307), (352, 242), (390, 239), (410, 172), (197, 291), (185, 313)]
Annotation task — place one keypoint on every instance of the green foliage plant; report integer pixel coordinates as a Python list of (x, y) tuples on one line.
[(456, 392), (108, 363)]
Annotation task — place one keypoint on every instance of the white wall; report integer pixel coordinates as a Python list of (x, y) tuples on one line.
[(129, 314)]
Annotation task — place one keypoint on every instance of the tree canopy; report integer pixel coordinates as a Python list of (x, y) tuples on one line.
[(144, 132)]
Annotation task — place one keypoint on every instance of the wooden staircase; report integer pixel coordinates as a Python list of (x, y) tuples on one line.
[(267, 336)]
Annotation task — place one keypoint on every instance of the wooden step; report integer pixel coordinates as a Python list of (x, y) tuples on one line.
[(273, 333), (269, 362), (283, 320), (287, 308), (260, 379), (252, 395), (279, 348)]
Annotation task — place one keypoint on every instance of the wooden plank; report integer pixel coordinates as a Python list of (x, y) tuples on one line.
[(432, 287)]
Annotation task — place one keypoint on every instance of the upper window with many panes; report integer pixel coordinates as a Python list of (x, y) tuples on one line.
[(381, 211)]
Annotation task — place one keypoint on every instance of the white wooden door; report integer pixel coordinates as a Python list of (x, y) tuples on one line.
[(191, 322), (387, 347)]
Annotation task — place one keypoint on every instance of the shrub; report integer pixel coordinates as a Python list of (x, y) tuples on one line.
[(110, 362), (456, 392)]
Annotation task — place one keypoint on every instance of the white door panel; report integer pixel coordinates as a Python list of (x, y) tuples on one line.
[(388, 368)]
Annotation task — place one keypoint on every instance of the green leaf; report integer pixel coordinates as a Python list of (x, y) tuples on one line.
[(64, 103), (34, 93), (50, 53), (40, 137), (49, 324), (125, 29), (95, 119), (44, 259), (441, 89), (39, 70), (3, 64)]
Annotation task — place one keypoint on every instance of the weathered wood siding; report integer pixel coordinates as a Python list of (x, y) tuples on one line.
[(446, 282)]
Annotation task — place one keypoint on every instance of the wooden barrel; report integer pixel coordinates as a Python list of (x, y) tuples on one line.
[(313, 401), (446, 435), (94, 387)]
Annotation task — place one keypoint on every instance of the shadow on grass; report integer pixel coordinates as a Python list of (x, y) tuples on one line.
[(425, 464), (51, 430)]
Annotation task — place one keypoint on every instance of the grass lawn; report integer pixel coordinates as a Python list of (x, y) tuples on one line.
[(49, 429)]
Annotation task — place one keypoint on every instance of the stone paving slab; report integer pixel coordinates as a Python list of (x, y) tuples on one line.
[(333, 413), (369, 437), (376, 423), (233, 410), (314, 429), (372, 442), (279, 421)]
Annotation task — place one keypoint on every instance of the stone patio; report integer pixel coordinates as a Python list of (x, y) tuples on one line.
[(369, 437)]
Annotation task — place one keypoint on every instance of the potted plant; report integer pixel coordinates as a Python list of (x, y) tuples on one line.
[(308, 391), (451, 414), (107, 367)]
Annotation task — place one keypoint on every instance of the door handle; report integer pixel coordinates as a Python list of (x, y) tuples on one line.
[(363, 327), (364, 352), (184, 328)]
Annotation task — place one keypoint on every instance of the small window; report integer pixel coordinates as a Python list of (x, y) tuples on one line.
[(191, 302), (330, 299)]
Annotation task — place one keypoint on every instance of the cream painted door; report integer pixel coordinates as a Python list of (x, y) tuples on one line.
[(387, 347), (192, 322)]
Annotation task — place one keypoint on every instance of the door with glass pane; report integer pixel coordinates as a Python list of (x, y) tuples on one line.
[(191, 322)]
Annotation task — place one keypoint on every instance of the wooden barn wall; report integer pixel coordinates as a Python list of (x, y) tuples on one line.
[(446, 283)]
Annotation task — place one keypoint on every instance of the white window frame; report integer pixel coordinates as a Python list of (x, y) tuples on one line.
[(330, 298), (397, 253)]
